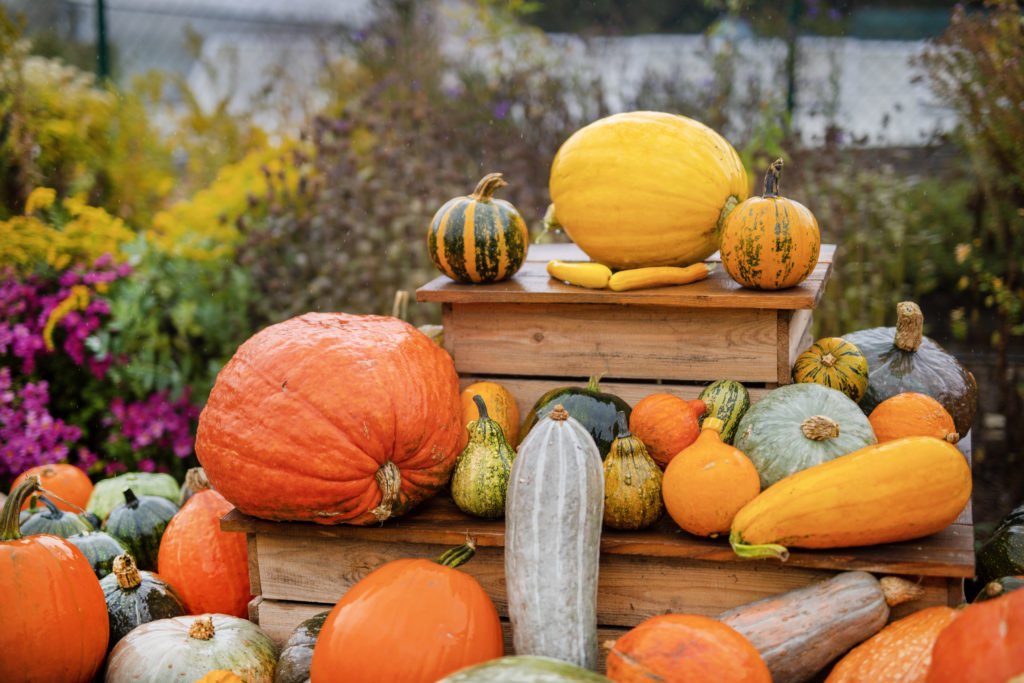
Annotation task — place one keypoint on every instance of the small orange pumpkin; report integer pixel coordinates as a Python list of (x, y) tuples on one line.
[(770, 242), (673, 648), (899, 653), (67, 481), (666, 424), (501, 407), (708, 482), (208, 567), (912, 414)]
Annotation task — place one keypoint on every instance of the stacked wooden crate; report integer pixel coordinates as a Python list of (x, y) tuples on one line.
[(533, 334)]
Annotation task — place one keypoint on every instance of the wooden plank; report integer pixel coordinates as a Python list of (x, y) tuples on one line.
[(526, 390), (438, 521), (800, 338), (533, 285), (627, 342), (279, 618), (252, 548)]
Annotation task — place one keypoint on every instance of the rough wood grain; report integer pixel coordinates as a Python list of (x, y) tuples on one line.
[(532, 284)]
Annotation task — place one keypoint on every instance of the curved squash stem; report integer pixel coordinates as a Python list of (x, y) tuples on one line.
[(389, 479), (771, 180), (769, 550), (481, 407), (10, 517), (453, 557), (486, 187), (126, 571)]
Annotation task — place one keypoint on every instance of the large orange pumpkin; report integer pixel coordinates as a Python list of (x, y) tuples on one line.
[(332, 418), (209, 568), (67, 481), (410, 620), (678, 648), (53, 618)]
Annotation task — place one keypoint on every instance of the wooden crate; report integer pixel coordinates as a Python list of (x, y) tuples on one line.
[(299, 569), (533, 333)]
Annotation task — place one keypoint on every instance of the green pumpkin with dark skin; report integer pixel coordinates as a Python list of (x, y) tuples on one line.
[(1003, 553), (999, 587), (900, 359), (596, 410), (100, 548), (297, 652), (139, 524), (136, 597), (53, 520), (480, 478)]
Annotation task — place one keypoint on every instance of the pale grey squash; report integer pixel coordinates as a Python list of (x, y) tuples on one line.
[(800, 425), (553, 515)]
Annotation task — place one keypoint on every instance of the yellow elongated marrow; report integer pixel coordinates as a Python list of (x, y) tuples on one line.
[(658, 276), (884, 493), (580, 273)]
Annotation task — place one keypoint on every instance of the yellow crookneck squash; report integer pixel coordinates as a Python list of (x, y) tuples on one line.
[(646, 188)]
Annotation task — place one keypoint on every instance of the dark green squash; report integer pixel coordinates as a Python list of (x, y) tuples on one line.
[(100, 548), (902, 359), (139, 524), (632, 484), (728, 400), (596, 410), (52, 520), (480, 478), (136, 597), (1003, 553), (297, 652), (996, 587)]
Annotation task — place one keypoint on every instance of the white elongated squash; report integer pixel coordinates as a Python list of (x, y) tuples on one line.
[(553, 514)]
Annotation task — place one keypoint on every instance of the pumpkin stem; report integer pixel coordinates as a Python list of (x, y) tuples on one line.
[(10, 524), (909, 326), (594, 383), (559, 413), (486, 187), (828, 360), (771, 180), (130, 499), (201, 628), (453, 557), (819, 428), (389, 479), (713, 424), (400, 307), (195, 479), (126, 571), (770, 550), (897, 590), (952, 437), (52, 511), (480, 406)]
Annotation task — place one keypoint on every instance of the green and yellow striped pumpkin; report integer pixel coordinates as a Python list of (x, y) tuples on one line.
[(478, 238), (834, 363)]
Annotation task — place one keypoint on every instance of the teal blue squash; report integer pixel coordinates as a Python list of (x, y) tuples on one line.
[(139, 523), (598, 411), (53, 520), (109, 493), (797, 426), (100, 548)]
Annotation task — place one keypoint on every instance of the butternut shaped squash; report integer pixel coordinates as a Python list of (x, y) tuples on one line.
[(800, 631), (884, 493)]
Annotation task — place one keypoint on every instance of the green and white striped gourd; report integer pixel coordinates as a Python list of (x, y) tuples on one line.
[(553, 515)]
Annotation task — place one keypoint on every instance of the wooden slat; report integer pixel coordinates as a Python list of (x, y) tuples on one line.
[(627, 342), (279, 618), (533, 285), (438, 521)]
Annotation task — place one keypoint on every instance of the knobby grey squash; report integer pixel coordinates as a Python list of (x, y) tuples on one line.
[(553, 517), (799, 425), (800, 631), (480, 478)]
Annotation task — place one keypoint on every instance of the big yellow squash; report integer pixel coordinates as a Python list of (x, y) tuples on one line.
[(646, 188)]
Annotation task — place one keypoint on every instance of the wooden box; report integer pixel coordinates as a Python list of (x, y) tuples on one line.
[(533, 334)]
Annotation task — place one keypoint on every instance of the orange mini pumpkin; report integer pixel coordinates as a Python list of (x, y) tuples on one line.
[(332, 418), (770, 242), (67, 481), (208, 567), (673, 648), (912, 414), (666, 424)]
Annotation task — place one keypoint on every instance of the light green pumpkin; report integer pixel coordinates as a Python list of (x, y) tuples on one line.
[(798, 426), (109, 493)]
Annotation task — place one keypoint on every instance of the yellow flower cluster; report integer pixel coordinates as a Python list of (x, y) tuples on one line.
[(29, 240), (205, 226)]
